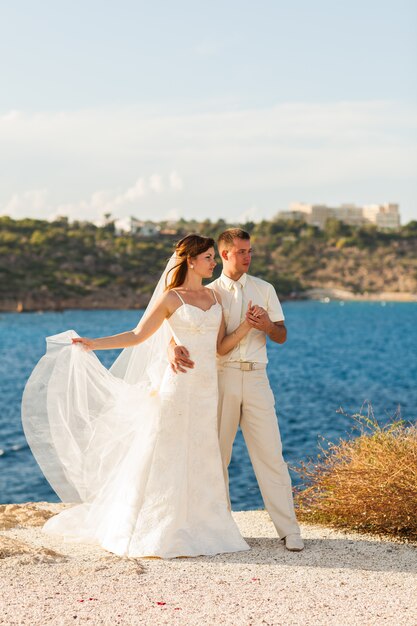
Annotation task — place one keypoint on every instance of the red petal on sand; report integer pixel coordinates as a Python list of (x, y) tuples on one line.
[(161, 603)]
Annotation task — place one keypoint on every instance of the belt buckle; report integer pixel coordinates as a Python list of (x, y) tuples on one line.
[(246, 366)]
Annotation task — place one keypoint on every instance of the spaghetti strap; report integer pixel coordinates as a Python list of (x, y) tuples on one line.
[(215, 297), (175, 291)]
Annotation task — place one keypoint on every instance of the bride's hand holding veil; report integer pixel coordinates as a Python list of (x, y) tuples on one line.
[(84, 342)]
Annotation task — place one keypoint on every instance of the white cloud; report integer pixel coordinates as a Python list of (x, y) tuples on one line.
[(155, 183), (27, 203), (100, 198), (361, 151), (9, 117), (133, 193), (34, 202), (175, 182)]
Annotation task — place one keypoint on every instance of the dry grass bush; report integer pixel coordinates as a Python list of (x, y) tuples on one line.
[(367, 483)]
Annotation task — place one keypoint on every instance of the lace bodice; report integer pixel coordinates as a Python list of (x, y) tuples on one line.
[(197, 330)]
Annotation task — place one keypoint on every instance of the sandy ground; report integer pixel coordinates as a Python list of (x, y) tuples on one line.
[(339, 579)]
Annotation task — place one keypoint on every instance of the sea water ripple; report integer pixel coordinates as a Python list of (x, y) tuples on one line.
[(338, 355)]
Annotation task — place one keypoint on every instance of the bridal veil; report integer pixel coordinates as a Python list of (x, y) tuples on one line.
[(80, 419)]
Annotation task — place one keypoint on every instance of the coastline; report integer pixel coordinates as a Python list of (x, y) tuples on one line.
[(335, 293), (140, 301), (340, 578)]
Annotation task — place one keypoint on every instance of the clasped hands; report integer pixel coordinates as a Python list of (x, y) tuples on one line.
[(258, 318)]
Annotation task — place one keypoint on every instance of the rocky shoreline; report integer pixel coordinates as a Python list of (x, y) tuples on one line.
[(350, 296), (339, 579), (32, 304)]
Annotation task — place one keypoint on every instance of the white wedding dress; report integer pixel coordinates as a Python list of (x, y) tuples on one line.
[(144, 464)]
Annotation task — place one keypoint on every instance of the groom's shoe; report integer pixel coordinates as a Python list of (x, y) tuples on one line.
[(294, 543)]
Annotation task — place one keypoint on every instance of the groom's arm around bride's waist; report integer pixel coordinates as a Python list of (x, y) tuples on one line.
[(179, 358)]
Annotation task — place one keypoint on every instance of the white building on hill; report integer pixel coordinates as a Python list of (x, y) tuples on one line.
[(133, 226), (383, 215)]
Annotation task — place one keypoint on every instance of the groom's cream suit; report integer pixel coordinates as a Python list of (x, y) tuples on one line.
[(246, 398)]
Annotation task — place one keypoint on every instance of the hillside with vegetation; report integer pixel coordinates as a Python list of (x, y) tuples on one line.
[(61, 264)]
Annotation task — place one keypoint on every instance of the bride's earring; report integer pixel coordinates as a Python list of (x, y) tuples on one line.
[(191, 266)]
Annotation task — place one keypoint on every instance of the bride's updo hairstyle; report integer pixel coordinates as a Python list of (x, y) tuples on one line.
[(187, 248)]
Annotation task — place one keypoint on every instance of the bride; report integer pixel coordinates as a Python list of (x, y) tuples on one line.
[(137, 447)]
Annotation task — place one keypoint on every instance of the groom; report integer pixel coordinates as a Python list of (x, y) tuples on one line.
[(245, 396)]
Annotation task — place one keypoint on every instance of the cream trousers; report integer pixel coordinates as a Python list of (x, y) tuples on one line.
[(246, 399)]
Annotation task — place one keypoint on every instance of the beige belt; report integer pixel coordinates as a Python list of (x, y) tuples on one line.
[(245, 366)]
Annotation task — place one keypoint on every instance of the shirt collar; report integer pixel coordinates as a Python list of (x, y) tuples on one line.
[(231, 283)]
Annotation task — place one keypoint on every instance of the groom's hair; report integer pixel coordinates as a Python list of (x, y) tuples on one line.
[(225, 239)]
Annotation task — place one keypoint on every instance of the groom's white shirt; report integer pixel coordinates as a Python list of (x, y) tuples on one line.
[(253, 346)]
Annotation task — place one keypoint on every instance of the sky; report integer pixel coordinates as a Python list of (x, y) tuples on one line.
[(206, 109)]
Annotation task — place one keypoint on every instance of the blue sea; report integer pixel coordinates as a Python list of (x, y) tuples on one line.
[(338, 355)]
